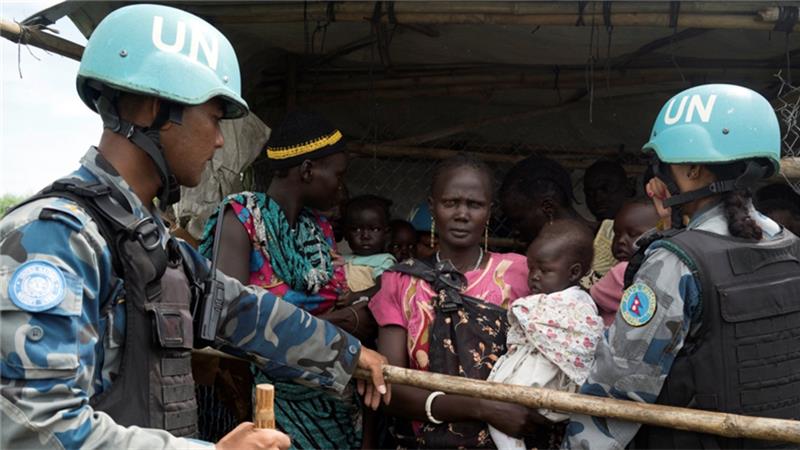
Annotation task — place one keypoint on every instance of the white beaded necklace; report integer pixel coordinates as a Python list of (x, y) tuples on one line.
[(477, 264)]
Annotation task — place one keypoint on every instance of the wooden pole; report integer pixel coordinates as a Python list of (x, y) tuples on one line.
[(263, 410), (722, 424), (747, 21), (319, 10), (17, 33), (433, 153)]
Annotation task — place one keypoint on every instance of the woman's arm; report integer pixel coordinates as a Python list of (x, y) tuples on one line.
[(409, 402), (234, 251)]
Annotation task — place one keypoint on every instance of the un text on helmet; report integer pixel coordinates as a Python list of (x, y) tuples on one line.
[(696, 103), (209, 44)]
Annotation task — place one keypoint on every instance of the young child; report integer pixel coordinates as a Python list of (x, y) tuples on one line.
[(553, 332), (634, 219), (403, 241), (366, 229)]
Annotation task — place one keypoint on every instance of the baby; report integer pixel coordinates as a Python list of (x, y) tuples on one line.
[(403, 242), (366, 229), (635, 218), (552, 333)]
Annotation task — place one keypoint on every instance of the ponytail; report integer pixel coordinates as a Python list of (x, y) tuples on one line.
[(737, 213)]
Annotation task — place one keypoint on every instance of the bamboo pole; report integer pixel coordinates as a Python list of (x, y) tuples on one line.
[(17, 33), (263, 409), (449, 131), (319, 10), (722, 424), (433, 153), (790, 165), (750, 21)]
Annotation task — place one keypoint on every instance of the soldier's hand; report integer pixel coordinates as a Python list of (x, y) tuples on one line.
[(246, 435), (372, 392), (658, 192)]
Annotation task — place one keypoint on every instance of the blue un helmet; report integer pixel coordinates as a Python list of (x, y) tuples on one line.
[(715, 125), (162, 52)]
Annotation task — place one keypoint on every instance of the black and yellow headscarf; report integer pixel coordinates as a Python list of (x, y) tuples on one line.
[(302, 136)]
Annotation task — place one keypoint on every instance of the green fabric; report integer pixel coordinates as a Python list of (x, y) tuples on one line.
[(315, 419), (379, 262)]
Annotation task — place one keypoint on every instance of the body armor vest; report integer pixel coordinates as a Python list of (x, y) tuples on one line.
[(744, 358), (155, 387)]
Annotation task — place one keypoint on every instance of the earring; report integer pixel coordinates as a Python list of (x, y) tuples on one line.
[(486, 237), (550, 218), (433, 231)]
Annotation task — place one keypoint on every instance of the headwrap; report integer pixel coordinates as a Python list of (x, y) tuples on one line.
[(302, 136)]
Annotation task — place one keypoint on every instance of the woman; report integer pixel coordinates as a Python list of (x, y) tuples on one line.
[(276, 241), (537, 191), (710, 316), (405, 308)]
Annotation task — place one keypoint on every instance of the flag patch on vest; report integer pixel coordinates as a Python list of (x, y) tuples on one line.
[(638, 305), (37, 285)]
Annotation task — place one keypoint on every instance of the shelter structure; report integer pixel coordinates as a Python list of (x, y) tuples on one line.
[(409, 83)]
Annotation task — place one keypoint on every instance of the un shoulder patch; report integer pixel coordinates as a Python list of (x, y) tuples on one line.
[(638, 305), (37, 285)]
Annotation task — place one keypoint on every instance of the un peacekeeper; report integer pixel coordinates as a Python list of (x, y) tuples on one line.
[(711, 313), (99, 308)]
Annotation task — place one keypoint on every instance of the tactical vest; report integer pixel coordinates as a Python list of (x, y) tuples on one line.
[(744, 358), (155, 387)]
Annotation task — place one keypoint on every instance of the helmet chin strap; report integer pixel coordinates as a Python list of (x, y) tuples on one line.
[(752, 173), (146, 138)]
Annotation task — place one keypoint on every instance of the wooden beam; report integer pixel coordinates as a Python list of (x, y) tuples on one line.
[(25, 35), (721, 424), (449, 131), (717, 20), (438, 153), (790, 165)]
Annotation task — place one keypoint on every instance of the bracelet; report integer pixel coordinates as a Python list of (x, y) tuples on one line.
[(429, 403)]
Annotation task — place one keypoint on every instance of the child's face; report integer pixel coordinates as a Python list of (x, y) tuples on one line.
[(633, 220), (404, 243), (549, 268), (426, 249), (366, 231), (605, 193)]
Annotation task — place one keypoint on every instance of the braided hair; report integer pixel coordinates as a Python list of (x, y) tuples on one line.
[(736, 204)]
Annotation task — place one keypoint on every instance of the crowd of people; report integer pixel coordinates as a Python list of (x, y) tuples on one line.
[(681, 289)]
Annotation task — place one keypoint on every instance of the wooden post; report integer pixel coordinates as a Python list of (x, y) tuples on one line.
[(722, 424), (264, 412), (15, 33)]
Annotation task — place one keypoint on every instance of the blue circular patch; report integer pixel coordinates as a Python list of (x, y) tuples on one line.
[(638, 305), (37, 285)]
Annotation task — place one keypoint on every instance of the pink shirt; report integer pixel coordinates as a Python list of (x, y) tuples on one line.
[(406, 301), (607, 292)]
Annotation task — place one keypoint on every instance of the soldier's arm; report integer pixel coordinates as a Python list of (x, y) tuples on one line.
[(632, 362), (283, 340), (51, 358)]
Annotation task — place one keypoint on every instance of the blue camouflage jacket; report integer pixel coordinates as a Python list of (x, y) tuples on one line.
[(61, 345), (632, 362)]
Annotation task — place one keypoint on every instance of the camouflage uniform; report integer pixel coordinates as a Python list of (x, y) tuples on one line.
[(55, 361), (633, 362)]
